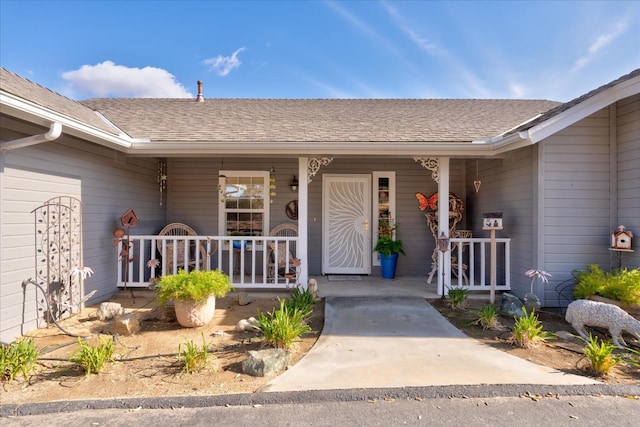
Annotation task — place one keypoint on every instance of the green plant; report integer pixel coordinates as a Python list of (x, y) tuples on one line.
[(194, 358), (93, 358), (282, 327), (527, 331), (196, 285), (457, 298), (488, 318), (589, 282), (301, 300), (387, 243), (18, 357), (600, 355), (622, 285)]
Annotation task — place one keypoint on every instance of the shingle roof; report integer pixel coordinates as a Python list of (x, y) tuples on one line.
[(317, 120), (26, 89)]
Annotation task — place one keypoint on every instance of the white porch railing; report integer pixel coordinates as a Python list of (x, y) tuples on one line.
[(244, 259), (474, 261), (248, 264)]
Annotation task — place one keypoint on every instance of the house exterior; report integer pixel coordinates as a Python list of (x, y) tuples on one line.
[(563, 175)]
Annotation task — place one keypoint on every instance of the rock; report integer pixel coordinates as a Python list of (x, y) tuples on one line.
[(265, 363), (109, 310), (247, 325), (126, 324), (511, 305), (531, 302), (244, 298), (564, 335)]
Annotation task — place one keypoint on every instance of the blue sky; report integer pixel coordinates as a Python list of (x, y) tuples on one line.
[(554, 50)]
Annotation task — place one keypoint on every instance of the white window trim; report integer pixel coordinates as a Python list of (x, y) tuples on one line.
[(222, 217), (391, 175)]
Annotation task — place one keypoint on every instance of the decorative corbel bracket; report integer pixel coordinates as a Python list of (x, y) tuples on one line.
[(431, 164), (313, 166)]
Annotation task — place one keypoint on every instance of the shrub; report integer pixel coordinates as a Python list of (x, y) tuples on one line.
[(527, 331), (282, 327), (457, 298), (488, 318), (18, 357), (600, 355), (301, 300), (194, 358), (621, 285), (196, 285), (93, 358)]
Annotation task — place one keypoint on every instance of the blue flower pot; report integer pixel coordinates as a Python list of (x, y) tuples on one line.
[(388, 265), (237, 244)]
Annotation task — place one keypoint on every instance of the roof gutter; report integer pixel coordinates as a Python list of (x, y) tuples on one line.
[(55, 130)]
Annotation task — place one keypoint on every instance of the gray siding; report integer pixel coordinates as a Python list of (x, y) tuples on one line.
[(628, 132), (107, 184), (576, 207), (507, 187)]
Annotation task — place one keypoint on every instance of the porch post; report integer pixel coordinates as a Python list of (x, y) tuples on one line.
[(303, 223), (444, 259)]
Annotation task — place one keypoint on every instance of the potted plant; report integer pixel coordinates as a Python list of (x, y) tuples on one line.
[(388, 247), (193, 294)]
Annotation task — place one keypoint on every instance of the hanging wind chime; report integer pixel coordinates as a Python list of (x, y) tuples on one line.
[(272, 184), (477, 183), (162, 178)]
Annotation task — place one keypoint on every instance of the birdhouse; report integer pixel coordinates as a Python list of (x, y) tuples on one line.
[(621, 239), (129, 219), (492, 221)]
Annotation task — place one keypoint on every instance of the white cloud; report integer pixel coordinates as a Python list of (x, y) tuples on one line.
[(601, 42), (224, 64), (110, 80)]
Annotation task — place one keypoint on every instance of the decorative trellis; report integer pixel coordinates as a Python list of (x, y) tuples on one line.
[(58, 226)]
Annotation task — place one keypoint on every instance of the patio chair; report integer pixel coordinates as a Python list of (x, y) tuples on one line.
[(180, 229), (285, 269)]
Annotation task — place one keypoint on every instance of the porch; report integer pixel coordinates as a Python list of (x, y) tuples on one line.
[(252, 263)]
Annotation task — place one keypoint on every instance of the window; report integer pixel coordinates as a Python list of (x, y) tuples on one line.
[(384, 203), (244, 203)]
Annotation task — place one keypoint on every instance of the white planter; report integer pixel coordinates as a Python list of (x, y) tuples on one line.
[(192, 314)]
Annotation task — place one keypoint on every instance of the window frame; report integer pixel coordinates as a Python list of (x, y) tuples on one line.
[(222, 207), (377, 203)]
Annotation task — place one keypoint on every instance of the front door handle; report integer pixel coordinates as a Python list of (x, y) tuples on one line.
[(366, 225)]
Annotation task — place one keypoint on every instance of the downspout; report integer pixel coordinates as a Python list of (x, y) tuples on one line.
[(54, 133)]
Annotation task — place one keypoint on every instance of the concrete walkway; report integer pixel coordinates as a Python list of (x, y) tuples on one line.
[(375, 341)]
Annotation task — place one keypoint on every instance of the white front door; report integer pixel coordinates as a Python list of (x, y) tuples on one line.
[(346, 225)]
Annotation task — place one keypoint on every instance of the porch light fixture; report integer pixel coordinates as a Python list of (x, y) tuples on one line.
[(294, 184)]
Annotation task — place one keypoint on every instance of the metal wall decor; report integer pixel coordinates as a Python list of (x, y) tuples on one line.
[(313, 166), (58, 224), (430, 164)]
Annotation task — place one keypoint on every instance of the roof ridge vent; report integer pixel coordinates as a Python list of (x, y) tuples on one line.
[(200, 97)]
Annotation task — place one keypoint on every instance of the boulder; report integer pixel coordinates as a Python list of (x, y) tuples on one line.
[(247, 325), (266, 363), (511, 305), (126, 324), (244, 298), (109, 310)]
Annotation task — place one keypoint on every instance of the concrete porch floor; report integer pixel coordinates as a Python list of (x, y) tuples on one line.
[(376, 286)]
